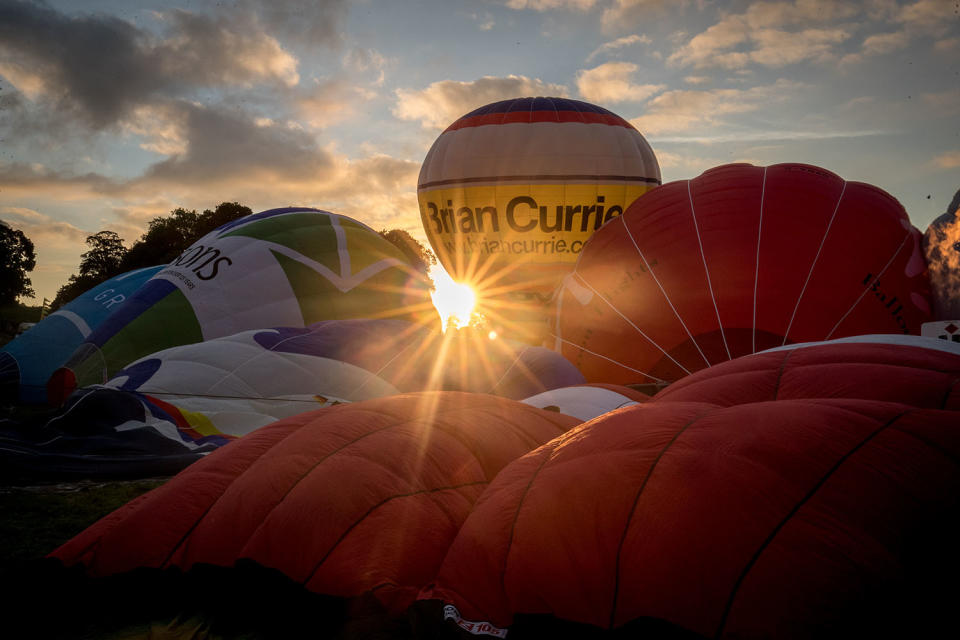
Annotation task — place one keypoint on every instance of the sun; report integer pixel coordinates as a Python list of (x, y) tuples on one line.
[(455, 301)]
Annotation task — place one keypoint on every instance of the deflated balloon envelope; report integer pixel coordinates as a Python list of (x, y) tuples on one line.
[(356, 499), (803, 492), (283, 267), (738, 260), (27, 361)]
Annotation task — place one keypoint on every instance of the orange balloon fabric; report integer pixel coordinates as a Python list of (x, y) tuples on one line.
[(347, 500), (786, 494), (735, 261)]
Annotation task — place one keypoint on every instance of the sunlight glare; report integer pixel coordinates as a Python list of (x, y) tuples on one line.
[(454, 301)]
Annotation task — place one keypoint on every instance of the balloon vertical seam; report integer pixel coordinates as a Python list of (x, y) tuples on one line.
[(796, 508), (813, 265), (638, 329), (706, 270), (869, 286), (756, 271), (662, 290), (636, 501)]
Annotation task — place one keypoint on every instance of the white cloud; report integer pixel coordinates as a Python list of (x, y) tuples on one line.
[(619, 43), (624, 15), (611, 82), (755, 37), (441, 103), (547, 5), (948, 160), (43, 229), (881, 43), (687, 110), (945, 103)]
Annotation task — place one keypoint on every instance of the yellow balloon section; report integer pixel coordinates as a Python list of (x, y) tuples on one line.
[(510, 192)]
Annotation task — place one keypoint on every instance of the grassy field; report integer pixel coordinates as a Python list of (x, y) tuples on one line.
[(36, 519)]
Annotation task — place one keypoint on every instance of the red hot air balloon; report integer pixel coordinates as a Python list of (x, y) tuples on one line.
[(775, 496), (738, 260)]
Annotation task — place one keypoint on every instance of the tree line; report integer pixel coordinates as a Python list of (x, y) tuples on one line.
[(165, 239)]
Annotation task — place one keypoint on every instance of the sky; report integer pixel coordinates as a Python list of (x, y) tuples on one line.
[(114, 112)]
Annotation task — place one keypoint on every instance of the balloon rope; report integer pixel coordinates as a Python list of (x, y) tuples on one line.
[(756, 270), (619, 364), (816, 258), (870, 285), (706, 270), (628, 321), (662, 290)]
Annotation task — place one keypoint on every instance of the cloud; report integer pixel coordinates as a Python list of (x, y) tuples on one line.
[(99, 68), (623, 15), (611, 82), (314, 23), (548, 5), (42, 229), (328, 103), (928, 15), (361, 59), (444, 101), (619, 43), (948, 160), (755, 37), (688, 110), (945, 103), (881, 43)]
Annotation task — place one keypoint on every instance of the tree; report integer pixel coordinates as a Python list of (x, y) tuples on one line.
[(103, 259), (419, 256), (16, 259), (168, 237)]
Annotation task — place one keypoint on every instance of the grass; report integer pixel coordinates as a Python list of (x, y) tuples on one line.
[(36, 519)]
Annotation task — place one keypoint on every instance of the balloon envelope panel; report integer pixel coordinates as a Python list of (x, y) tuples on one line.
[(283, 267), (348, 500), (35, 355), (773, 496)]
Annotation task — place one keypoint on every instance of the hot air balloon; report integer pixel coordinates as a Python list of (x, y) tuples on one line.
[(27, 362), (282, 267), (805, 492), (358, 500), (738, 260), (510, 192)]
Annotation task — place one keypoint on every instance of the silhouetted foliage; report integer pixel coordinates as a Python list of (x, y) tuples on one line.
[(166, 238), (101, 262), (419, 256), (16, 259)]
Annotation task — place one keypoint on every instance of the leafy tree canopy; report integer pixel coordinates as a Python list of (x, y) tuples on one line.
[(17, 257), (419, 256)]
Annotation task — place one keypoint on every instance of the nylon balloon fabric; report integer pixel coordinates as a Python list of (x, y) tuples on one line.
[(775, 496), (735, 261), (281, 267), (347, 501), (510, 192)]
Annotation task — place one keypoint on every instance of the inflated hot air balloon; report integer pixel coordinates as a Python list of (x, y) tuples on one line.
[(283, 267), (510, 192), (738, 260), (358, 500), (800, 493), (27, 362)]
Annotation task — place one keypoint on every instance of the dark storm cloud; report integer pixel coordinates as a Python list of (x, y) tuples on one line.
[(98, 65), (100, 68)]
